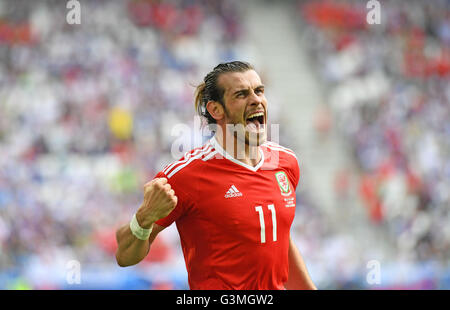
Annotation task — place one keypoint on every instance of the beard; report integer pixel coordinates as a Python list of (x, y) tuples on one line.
[(248, 136)]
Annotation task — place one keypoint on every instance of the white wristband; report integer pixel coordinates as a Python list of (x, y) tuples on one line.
[(138, 231)]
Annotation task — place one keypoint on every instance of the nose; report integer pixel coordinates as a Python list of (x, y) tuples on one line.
[(255, 99)]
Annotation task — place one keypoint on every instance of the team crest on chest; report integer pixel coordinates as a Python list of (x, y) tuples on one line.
[(283, 182)]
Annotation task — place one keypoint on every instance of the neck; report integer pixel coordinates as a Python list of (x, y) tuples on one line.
[(238, 149)]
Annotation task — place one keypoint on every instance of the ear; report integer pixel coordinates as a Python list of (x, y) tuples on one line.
[(215, 109)]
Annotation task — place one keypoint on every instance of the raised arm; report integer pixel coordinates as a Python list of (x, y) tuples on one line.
[(159, 201)]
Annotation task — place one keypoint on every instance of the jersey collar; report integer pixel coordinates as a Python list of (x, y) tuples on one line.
[(226, 155)]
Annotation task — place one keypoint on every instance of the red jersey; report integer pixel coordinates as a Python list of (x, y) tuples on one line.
[(234, 219)]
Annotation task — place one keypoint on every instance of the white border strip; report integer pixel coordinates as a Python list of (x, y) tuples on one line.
[(211, 155)]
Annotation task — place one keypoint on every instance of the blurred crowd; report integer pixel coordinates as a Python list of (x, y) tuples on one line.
[(86, 118), (388, 89), (88, 111)]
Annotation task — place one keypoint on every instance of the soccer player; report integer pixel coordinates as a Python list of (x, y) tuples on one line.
[(233, 200)]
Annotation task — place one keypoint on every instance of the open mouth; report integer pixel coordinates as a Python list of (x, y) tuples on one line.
[(255, 122)]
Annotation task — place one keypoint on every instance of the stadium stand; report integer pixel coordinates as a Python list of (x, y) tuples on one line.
[(87, 114), (388, 89)]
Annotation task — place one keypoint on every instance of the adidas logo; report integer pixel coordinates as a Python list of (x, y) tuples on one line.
[(233, 192)]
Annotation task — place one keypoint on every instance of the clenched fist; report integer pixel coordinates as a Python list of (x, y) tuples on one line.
[(159, 201)]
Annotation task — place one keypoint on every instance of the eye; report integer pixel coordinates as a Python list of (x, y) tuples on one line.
[(259, 91)]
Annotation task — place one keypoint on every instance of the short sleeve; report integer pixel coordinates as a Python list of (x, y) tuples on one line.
[(294, 172)]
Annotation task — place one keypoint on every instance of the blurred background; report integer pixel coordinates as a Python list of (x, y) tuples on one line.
[(87, 113)]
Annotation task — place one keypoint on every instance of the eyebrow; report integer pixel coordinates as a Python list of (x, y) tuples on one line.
[(246, 90)]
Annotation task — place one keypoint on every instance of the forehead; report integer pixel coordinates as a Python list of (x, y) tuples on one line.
[(239, 80)]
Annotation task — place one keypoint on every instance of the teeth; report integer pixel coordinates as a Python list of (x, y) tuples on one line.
[(255, 115)]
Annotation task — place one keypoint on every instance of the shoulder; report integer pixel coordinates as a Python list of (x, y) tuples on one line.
[(284, 152), (186, 165)]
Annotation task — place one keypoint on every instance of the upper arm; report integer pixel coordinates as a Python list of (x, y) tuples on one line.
[(291, 244)]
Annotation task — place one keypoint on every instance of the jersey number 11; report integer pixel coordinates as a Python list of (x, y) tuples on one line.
[(259, 209)]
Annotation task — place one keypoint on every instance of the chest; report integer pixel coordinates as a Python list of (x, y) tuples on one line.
[(257, 207)]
